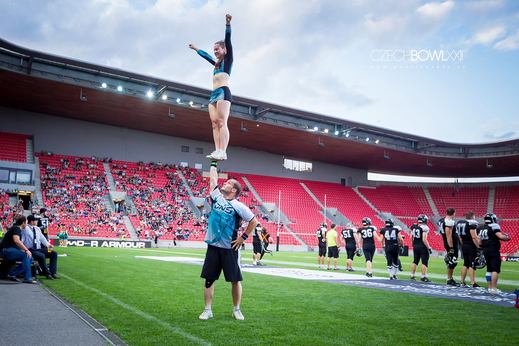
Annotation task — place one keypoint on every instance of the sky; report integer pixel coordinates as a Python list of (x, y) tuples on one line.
[(374, 62)]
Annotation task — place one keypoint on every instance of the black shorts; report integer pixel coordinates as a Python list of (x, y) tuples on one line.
[(333, 251), (369, 252), (257, 247), (420, 252), (216, 259), (221, 93), (392, 255), (350, 252), (469, 255), (493, 259), (322, 250)]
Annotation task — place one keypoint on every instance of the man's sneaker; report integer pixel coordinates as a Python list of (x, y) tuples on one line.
[(369, 275), (452, 282), (413, 278), (494, 291), (425, 279), (464, 285), (400, 269), (237, 315), (350, 269), (475, 285), (391, 278), (205, 315), (394, 277)]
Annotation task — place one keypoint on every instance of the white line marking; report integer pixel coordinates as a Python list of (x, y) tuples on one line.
[(171, 328)]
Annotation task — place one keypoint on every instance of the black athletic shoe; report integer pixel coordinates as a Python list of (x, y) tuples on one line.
[(425, 280), (369, 275), (452, 282), (391, 278), (350, 269), (394, 277), (413, 278), (400, 268), (475, 285)]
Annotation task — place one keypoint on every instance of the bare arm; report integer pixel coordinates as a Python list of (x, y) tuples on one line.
[(448, 235), (240, 240), (425, 241), (475, 238), (213, 178), (400, 239), (503, 236)]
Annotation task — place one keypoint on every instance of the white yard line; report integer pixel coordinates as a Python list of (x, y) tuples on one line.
[(168, 326)]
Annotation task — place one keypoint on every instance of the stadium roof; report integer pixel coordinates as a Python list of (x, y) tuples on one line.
[(45, 83)]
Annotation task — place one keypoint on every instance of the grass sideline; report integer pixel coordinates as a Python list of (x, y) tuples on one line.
[(153, 302)]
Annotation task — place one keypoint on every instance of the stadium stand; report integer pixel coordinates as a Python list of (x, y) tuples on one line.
[(506, 201), (462, 199), (160, 199), (73, 187), (398, 200), (13, 147)]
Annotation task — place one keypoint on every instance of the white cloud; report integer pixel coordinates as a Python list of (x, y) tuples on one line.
[(436, 10), (509, 43), (488, 35)]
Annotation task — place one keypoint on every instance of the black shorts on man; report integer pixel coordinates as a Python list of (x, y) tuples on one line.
[(333, 251), (369, 252), (218, 259), (322, 250)]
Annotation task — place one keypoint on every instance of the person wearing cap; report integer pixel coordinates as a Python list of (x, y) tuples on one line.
[(40, 248)]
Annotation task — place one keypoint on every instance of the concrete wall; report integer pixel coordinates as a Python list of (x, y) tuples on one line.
[(81, 138)]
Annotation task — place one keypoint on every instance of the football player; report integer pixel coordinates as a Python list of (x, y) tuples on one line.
[(421, 247), (351, 242), (392, 240), (469, 247), (491, 236), (450, 242), (321, 241), (368, 234)]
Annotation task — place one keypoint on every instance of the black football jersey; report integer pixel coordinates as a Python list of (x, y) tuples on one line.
[(321, 236), (444, 223), (256, 234), (348, 234), (390, 235), (418, 230), (487, 234), (463, 228), (367, 234)]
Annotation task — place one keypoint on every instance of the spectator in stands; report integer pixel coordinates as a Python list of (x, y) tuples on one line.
[(490, 235), (40, 248), (223, 241), (13, 249)]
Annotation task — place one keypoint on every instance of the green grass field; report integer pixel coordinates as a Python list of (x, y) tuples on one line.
[(157, 303)]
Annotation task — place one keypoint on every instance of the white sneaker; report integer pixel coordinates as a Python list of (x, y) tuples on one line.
[(205, 315), (237, 315), (494, 291), (223, 155), (213, 155)]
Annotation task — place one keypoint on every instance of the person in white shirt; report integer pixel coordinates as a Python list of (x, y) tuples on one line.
[(40, 248)]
